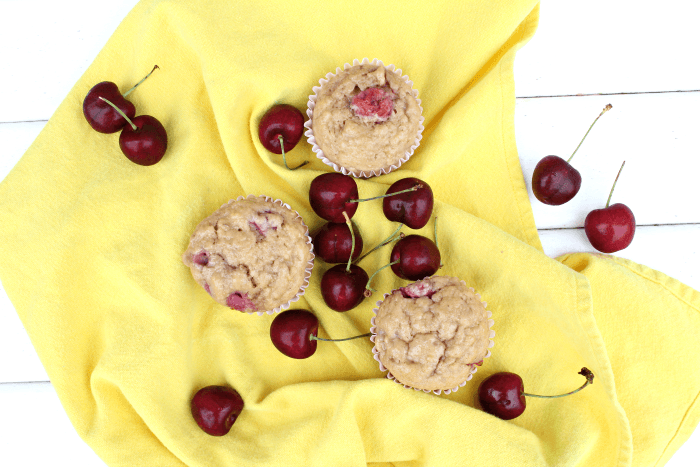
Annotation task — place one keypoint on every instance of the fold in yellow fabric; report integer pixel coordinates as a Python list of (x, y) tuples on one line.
[(91, 257)]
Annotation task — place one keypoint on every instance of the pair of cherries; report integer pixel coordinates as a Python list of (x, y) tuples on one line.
[(334, 197), (143, 139), (555, 182)]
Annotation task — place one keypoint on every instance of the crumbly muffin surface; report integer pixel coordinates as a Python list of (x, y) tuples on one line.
[(356, 142), (250, 255), (431, 333)]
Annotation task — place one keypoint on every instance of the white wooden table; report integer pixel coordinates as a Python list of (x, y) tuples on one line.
[(641, 57)]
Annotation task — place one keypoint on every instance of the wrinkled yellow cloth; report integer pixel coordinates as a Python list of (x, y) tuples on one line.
[(91, 245)]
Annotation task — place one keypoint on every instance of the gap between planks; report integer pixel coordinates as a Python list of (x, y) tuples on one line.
[(610, 94), (548, 229)]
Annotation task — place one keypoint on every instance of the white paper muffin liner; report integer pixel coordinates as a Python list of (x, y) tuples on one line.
[(375, 352), (309, 265), (338, 168)]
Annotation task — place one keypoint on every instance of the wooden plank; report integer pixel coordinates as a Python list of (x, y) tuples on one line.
[(656, 134), (35, 431), (604, 46)]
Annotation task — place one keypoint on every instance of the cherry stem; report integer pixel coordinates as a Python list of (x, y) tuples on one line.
[(284, 156), (367, 287), (385, 242), (607, 107), (136, 85), (352, 236), (614, 183), (415, 187), (121, 113), (589, 380), (316, 338)]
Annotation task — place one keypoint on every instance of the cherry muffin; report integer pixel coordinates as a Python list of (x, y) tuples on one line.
[(365, 120), (253, 255), (431, 335)]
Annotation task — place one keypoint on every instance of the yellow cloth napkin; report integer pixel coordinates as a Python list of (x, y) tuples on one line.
[(91, 247)]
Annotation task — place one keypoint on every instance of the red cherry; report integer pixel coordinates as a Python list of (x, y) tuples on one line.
[(501, 395), (343, 290), (146, 144), (291, 333), (333, 243), (281, 120), (216, 408), (329, 195), (554, 180), (415, 257), (412, 208), (612, 228), (101, 116)]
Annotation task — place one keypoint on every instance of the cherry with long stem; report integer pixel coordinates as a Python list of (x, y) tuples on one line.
[(503, 395), (555, 181), (295, 332)]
